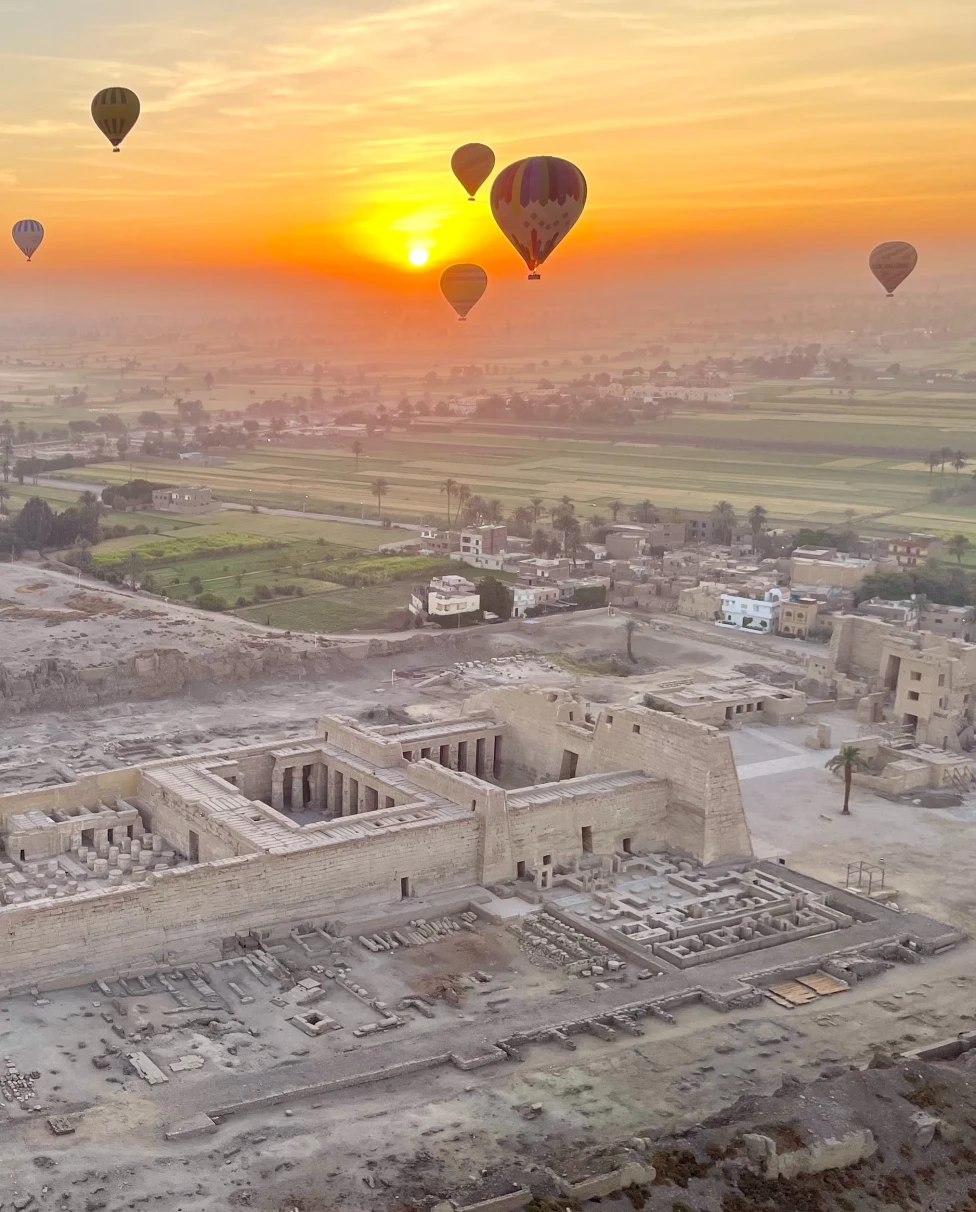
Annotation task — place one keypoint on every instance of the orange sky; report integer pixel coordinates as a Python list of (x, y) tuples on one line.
[(315, 135)]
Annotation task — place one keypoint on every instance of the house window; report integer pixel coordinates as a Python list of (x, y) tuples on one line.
[(609, 720), (913, 695), (916, 677), (941, 679), (759, 706), (635, 728)]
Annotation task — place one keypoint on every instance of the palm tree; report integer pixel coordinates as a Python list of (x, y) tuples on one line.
[(450, 487), (135, 568), (379, 489), (494, 514), (757, 519), (537, 508), (723, 516), (615, 508), (629, 628), (945, 454), (847, 760), (958, 545), (357, 452), (958, 461), (463, 496), (933, 460), (91, 500)]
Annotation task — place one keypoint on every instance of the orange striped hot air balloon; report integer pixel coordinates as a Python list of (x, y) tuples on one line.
[(472, 165), (535, 202), (462, 286), (116, 111), (892, 262)]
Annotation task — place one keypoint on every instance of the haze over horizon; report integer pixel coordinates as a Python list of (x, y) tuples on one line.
[(305, 147)]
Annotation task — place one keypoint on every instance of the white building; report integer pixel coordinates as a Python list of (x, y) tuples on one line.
[(529, 597), (446, 597), (752, 614)]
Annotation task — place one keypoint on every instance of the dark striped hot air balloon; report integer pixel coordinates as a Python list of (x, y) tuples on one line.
[(116, 111), (892, 262), (472, 165), (462, 286), (28, 234), (535, 202)]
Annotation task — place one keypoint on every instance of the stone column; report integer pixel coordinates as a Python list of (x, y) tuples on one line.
[(297, 788), (319, 786), (278, 788)]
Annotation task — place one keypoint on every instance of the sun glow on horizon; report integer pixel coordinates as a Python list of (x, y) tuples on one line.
[(418, 257)]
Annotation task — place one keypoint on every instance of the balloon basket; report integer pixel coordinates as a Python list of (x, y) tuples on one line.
[(462, 319), (890, 294), (116, 150), (535, 277)]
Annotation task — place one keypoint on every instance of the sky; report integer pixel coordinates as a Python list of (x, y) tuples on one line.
[(313, 137)]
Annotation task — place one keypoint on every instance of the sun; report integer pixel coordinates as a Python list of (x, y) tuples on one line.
[(418, 256)]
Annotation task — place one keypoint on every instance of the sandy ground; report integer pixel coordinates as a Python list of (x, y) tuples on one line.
[(793, 807)]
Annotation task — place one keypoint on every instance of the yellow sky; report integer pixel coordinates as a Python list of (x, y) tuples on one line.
[(313, 134)]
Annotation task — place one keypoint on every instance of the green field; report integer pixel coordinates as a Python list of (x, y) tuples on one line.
[(339, 610), (806, 456)]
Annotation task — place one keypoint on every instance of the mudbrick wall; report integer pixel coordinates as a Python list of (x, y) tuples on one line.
[(58, 685)]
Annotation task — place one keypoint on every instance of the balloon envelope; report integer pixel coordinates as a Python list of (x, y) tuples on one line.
[(472, 165), (462, 286), (892, 262), (28, 234), (116, 111), (535, 202)]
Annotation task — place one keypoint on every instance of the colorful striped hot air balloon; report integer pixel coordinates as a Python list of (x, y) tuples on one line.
[(472, 165), (892, 262), (535, 202), (462, 286), (116, 111), (28, 234)]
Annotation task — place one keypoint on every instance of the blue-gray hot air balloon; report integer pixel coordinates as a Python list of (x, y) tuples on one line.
[(28, 234)]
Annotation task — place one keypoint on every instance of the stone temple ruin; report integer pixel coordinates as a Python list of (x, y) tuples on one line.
[(172, 855), (624, 825)]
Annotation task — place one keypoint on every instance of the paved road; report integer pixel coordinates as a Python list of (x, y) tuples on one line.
[(94, 486)]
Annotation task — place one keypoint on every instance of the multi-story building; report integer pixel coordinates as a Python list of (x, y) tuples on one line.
[(526, 598), (953, 621), (434, 541), (798, 617), (483, 540), (915, 549), (903, 613), (752, 614), (841, 571), (446, 597)]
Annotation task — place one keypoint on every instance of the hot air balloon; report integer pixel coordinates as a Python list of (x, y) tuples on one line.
[(28, 234), (462, 286), (116, 111), (472, 165), (892, 262), (535, 202)]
